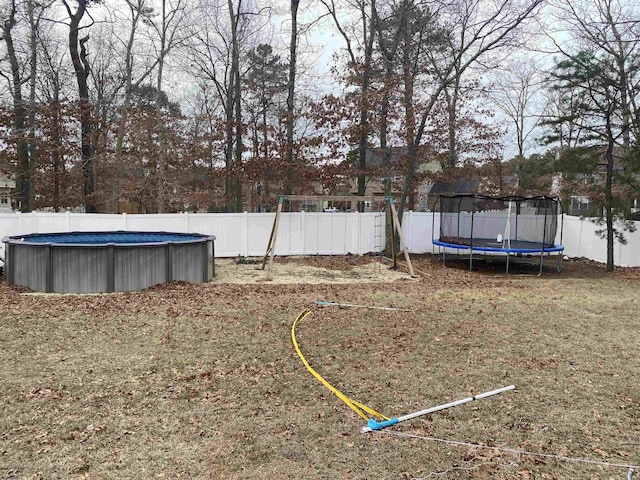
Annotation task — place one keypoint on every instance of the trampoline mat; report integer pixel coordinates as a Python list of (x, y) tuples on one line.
[(492, 245)]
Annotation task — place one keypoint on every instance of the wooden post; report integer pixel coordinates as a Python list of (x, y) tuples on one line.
[(271, 248), (394, 254), (273, 232), (403, 245)]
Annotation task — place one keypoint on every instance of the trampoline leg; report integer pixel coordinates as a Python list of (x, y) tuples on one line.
[(508, 263), (559, 267), (541, 263), (471, 259)]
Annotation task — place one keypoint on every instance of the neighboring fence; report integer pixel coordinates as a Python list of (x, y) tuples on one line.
[(581, 240), (247, 234)]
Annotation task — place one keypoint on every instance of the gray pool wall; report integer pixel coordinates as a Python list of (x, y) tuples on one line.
[(110, 267)]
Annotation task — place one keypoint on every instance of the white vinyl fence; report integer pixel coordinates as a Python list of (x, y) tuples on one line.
[(247, 234)]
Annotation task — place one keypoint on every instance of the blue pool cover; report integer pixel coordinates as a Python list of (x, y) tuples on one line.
[(100, 238)]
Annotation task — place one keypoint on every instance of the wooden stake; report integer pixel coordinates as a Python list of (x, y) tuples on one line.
[(403, 245), (271, 247), (394, 254)]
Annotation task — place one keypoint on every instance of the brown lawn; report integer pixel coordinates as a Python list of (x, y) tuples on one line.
[(202, 381)]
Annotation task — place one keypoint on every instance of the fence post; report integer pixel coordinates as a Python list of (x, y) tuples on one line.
[(124, 221), (303, 225), (245, 215), (19, 216), (579, 252), (407, 226), (358, 223)]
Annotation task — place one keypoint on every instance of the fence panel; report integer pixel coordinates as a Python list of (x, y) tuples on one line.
[(417, 228), (581, 239), (309, 233)]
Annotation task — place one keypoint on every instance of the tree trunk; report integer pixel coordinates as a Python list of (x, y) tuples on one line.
[(621, 56), (363, 140), (452, 106), (33, 62), (159, 120), (237, 187), (290, 97), (608, 197), (122, 121), (230, 104), (56, 154), (19, 114), (78, 53), (264, 128)]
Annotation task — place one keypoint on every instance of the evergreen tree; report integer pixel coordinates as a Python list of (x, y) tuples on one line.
[(599, 113), (266, 83)]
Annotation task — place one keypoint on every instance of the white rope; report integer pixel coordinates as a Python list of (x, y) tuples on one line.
[(512, 450)]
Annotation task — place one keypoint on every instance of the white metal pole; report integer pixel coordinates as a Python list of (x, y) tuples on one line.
[(507, 229), (373, 425)]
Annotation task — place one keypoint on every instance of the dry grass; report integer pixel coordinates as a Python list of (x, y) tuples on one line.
[(201, 381)]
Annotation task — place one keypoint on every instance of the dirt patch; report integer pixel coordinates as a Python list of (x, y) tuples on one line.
[(310, 270), (347, 269)]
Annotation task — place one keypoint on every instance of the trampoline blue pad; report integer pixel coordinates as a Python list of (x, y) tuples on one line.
[(491, 245)]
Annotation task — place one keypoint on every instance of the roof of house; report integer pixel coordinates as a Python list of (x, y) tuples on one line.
[(475, 185), (375, 157), (457, 186)]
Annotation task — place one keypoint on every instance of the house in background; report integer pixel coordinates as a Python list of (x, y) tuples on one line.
[(7, 184), (581, 206), (468, 186), (579, 188), (456, 187), (377, 177)]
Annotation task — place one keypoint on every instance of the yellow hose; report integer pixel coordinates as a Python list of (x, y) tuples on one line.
[(357, 407)]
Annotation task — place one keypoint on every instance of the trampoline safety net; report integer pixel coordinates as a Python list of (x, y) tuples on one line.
[(478, 220)]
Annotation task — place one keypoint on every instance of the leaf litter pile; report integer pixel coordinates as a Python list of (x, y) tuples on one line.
[(201, 381)]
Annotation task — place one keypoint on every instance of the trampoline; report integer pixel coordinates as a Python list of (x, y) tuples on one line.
[(508, 226), (117, 261)]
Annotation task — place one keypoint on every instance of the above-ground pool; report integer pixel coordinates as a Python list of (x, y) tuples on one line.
[(91, 262)]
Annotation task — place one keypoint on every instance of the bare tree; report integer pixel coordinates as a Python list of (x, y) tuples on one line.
[(225, 33), (388, 46), (79, 57), (16, 79), (171, 32), (612, 27), (360, 67), (517, 87), (34, 21), (139, 11), (602, 64), (475, 29), (290, 94), (51, 84), (234, 105)]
